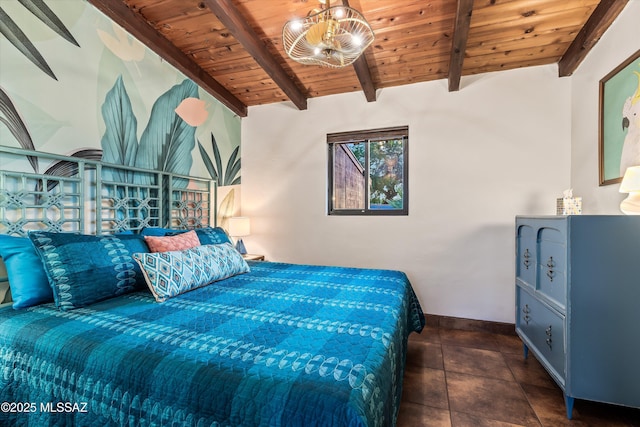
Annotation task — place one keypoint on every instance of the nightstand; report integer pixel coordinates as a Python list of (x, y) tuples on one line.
[(253, 257)]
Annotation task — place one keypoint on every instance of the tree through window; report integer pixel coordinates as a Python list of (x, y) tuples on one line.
[(368, 172)]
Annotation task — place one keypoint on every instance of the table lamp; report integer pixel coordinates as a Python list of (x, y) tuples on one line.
[(239, 227), (631, 184)]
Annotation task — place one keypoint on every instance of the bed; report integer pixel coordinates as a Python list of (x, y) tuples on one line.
[(264, 344)]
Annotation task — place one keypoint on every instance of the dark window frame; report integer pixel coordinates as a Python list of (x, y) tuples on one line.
[(368, 137)]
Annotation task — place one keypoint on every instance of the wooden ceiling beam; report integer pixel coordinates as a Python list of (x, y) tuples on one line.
[(459, 43), (600, 20), (132, 22), (364, 76), (361, 66), (240, 29)]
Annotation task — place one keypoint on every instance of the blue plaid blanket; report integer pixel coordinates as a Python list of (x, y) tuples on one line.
[(283, 345)]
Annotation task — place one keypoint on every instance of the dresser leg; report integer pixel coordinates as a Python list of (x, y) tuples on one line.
[(525, 350), (568, 401)]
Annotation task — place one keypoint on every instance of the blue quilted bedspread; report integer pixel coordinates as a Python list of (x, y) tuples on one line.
[(283, 345)]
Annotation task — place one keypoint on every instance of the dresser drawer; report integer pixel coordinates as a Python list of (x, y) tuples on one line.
[(526, 255), (544, 328), (552, 266)]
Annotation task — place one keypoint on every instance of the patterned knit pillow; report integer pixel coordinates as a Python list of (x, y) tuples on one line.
[(172, 273), (178, 242), (83, 269)]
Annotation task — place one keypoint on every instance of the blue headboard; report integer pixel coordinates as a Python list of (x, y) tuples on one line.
[(89, 196), (86, 195)]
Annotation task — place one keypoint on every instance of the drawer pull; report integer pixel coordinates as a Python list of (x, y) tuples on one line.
[(526, 256), (550, 272), (549, 333), (526, 310)]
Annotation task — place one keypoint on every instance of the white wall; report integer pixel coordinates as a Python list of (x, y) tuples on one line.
[(497, 148), (618, 43)]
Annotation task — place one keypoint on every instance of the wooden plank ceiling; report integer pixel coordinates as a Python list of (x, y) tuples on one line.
[(233, 48)]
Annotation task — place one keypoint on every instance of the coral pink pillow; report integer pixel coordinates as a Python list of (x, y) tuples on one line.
[(179, 242)]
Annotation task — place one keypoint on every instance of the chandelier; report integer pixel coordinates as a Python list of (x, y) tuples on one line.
[(333, 37)]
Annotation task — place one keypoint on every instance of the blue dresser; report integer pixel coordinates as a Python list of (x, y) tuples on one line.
[(578, 303)]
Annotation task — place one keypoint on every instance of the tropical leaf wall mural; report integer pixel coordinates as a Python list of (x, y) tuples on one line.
[(223, 177), (68, 169), (73, 83), (121, 45), (166, 142), (17, 37), (227, 176), (120, 141), (10, 117)]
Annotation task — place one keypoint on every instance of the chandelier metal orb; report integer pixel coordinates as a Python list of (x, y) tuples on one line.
[(332, 37)]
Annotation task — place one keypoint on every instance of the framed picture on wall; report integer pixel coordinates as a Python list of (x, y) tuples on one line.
[(619, 127)]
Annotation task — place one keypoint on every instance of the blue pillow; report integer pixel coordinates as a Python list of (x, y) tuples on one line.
[(212, 236), (124, 233), (159, 231), (84, 269), (27, 278)]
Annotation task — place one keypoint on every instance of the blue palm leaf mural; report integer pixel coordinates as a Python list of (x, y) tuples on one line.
[(167, 141), (119, 142)]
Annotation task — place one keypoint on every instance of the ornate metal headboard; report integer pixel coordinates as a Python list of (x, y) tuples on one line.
[(89, 196), (83, 195)]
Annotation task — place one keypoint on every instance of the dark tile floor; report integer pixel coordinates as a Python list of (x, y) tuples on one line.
[(462, 378)]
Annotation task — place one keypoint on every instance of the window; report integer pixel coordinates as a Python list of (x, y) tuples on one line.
[(368, 172)]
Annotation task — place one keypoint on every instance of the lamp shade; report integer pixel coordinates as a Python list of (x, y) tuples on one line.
[(239, 226), (631, 184), (631, 180)]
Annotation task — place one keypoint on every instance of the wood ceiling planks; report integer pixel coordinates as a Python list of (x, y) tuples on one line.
[(414, 42)]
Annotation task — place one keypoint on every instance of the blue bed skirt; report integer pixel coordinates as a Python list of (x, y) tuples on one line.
[(283, 345)]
